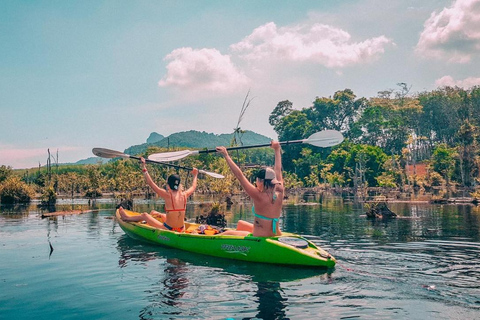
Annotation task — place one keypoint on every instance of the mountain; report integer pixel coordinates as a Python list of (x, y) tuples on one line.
[(155, 137), (91, 160), (197, 140)]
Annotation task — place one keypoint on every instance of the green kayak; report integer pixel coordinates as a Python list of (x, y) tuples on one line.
[(287, 249)]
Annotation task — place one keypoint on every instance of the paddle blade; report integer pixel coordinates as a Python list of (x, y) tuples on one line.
[(325, 138), (170, 156), (107, 153), (212, 174)]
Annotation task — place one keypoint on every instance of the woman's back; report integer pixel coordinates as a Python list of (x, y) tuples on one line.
[(267, 208), (175, 206)]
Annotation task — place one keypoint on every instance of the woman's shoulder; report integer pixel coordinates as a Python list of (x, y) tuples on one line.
[(280, 188)]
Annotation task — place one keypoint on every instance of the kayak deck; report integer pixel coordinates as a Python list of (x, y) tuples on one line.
[(287, 249)]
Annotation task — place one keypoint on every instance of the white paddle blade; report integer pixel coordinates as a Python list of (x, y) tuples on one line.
[(107, 153), (212, 174), (325, 138), (170, 156)]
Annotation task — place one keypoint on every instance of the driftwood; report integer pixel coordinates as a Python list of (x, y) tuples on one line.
[(379, 210)]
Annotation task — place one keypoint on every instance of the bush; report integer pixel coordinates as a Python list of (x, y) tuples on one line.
[(13, 190), (435, 179), (49, 196), (386, 180), (93, 193)]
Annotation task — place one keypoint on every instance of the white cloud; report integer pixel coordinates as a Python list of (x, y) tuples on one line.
[(452, 34), (202, 70), (314, 43), (448, 81)]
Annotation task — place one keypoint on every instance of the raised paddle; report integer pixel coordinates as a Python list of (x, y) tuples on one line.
[(323, 139), (107, 153)]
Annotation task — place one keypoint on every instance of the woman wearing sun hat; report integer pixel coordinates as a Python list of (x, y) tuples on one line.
[(267, 196)]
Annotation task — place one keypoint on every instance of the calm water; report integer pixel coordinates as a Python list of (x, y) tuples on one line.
[(425, 266)]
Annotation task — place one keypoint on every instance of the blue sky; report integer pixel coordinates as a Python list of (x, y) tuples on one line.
[(81, 74)]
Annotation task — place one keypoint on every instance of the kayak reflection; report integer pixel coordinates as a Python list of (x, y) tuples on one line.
[(179, 278)]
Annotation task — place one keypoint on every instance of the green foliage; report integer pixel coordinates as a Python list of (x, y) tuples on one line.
[(335, 179), (13, 190), (387, 123), (295, 126), (338, 113), (291, 181), (351, 158), (49, 196), (5, 172), (283, 108), (434, 179), (468, 154), (386, 180), (443, 161)]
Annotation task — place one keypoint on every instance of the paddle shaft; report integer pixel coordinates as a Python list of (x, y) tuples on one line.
[(254, 146), (164, 163), (107, 153)]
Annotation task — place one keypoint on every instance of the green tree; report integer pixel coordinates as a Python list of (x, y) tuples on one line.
[(295, 126), (441, 116), (443, 161), (388, 122), (468, 153), (5, 172), (283, 108), (339, 113), (350, 157)]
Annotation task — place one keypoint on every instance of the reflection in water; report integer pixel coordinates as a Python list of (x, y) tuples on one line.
[(165, 295), (164, 292), (186, 283), (271, 304), (175, 281), (129, 252)]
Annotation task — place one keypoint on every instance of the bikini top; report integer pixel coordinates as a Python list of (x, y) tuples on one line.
[(173, 205)]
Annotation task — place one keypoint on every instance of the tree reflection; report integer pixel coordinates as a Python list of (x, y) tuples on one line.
[(271, 303), (175, 281)]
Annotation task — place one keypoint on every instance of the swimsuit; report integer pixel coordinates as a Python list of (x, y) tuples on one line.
[(173, 204), (274, 220), (173, 229), (175, 210)]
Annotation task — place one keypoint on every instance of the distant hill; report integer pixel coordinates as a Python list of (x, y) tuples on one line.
[(198, 140), (155, 137), (92, 160)]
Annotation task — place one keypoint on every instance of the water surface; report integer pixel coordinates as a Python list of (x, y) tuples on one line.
[(425, 265)]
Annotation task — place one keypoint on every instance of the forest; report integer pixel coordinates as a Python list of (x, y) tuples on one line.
[(386, 138)]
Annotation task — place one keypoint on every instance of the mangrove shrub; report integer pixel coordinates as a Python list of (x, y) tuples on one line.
[(13, 190)]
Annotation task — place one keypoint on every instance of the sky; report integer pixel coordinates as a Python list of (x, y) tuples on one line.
[(75, 75)]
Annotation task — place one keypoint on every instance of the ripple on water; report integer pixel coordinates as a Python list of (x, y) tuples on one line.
[(438, 271)]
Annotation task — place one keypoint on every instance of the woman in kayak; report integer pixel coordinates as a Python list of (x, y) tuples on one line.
[(267, 196), (175, 202)]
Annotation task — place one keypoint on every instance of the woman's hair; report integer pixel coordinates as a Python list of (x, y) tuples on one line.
[(173, 181), (267, 183)]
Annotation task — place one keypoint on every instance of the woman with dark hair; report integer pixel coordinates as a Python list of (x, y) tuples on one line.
[(267, 196), (175, 202)]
